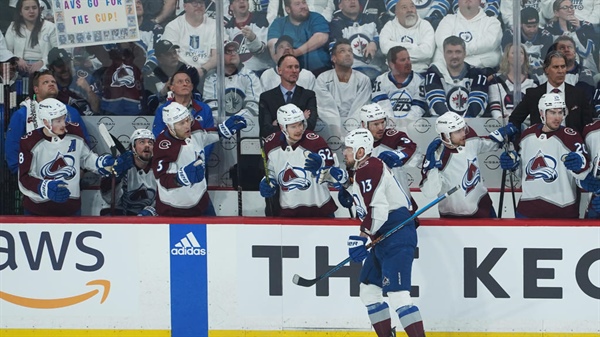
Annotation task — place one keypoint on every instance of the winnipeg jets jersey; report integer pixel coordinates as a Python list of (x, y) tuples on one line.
[(465, 95), (195, 43), (136, 190), (549, 189), (460, 166), (171, 154), (376, 194), (300, 194), (401, 144), (242, 90), (359, 32), (56, 158), (253, 54), (584, 37), (400, 100), (501, 100)]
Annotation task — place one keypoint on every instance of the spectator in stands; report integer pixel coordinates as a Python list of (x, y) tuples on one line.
[(362, 30), (135, 190), (152, 8), (502, 86), (566, 23), (179, 161), (585, 10), (27, 118), (506, 8), (294, 158), (411, 32), (579, 112), (29, 37), (156, 84), (455, 85), (51, 162), (150, 31), (550, 159), (400, 91), (482, 34), (196, 35), (341, 91), (577, 74), (536, 41), (7, 56), (242, 87), (288, 91), (596, 101), (309, 32), (453, 158), (77, 93), (270, 78), (276, 8), (250, 31), (181, 88)]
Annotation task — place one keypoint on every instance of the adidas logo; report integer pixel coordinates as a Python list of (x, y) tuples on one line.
[(188, 246)]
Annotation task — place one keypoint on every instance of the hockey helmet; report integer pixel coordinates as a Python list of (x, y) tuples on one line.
[(51, 108), (448, 123), (551, 101), (358, 138), (289, 114), (371, 112), (140, 134), (174, 113)]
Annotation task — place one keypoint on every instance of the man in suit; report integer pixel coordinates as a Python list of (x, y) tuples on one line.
[(288, 68), (579, 109)]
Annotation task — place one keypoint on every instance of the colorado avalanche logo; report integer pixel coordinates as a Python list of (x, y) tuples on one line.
[(361, 212), (139, 198), (401, 103), (61, 167), (541, 167), (466, 36), (291, 178), (123, 77), (407, 39), (471, 177), (358, 43), (234, 100), (457, 99)]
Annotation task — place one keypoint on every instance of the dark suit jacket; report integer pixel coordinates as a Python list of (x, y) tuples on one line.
[(271, 100), (580, 111)]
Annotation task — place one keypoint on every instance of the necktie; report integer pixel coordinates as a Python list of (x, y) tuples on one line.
[(288, 97), (556, 91)]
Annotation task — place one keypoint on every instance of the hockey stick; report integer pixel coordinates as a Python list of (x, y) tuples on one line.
[(239, 172), (113, 150), (297, 279), (264, 158)]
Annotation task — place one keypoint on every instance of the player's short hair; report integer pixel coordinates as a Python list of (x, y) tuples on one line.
[(454, 40), (392, 54), (339, 43)]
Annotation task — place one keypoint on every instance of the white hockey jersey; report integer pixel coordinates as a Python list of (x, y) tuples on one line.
[(400, 100), (135, 190), (501, 100), (242, 91), (254, 54)]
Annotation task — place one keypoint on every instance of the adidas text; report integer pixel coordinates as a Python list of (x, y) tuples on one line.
[(188, 251)]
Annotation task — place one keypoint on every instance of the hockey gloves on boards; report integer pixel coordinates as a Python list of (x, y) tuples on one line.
[(574, 161), (356, 248), (430, 156), (590, 184), (392, 158), (334, 176), (191, 174), (55, 190), (148, 211), (232, 125), (509, 160), (267, 190), (313, 162), (105, 164), (345, 198), (505, 133)]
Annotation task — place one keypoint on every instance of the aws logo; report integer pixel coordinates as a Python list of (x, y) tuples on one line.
[(45, 251)]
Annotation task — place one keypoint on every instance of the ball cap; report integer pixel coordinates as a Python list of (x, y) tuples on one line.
[(58, 56), (164, 46), (529, 15)]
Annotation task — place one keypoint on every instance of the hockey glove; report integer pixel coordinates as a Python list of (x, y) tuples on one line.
[(590, 183), (105, 165), (313, 162), (574, 161), (55, 190), (334, 176), (232, 125), (267, 189), (148, 211), (504, 133), (191, 174), (430, 160), (392, 159), (124, 163), (356, 248), (509, 160), (345, 198)]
